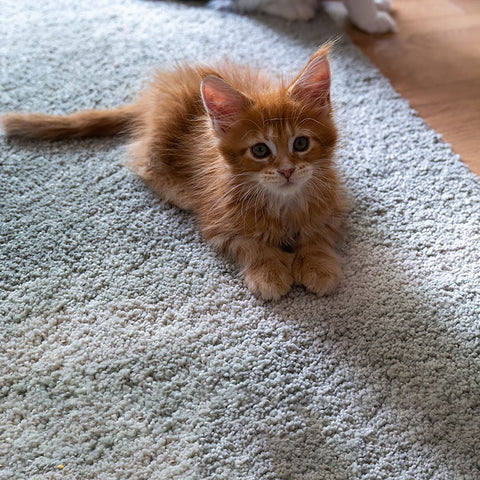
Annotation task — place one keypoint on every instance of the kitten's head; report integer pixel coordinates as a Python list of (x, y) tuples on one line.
[(279, 141)]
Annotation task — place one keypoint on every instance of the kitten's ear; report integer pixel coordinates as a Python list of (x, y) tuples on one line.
[(222, 102), (312, 86)]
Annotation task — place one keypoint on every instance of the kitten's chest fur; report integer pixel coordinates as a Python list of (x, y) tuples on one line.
[(285, 228)]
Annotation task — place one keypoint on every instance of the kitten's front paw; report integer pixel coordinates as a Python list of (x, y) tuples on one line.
[(320, 274), (382, 22), (269, 281)]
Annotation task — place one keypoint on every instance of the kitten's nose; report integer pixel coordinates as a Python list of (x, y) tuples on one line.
[(286, 172)]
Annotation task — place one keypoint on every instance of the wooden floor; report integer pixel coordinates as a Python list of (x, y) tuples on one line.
[(433, 61)]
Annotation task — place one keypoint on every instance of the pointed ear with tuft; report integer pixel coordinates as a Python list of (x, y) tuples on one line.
[(223, 103), (312, 86)]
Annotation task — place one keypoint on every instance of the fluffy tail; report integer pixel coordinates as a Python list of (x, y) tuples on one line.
[(89, 123)]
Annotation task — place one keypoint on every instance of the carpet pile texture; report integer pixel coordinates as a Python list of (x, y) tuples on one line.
[(130, 350)]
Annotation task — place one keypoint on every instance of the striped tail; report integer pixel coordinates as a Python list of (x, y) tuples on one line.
[(89, 123)]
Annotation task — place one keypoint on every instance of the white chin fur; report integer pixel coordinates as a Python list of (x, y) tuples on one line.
[(281, 190)]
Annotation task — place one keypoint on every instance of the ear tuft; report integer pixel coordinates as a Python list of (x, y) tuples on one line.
[(312, 86), (222, 101)]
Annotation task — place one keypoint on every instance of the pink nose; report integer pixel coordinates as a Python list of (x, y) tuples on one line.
[(286, 172)]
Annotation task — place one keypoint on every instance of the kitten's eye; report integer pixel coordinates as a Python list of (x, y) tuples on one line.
[(260, 150), (300, 144)]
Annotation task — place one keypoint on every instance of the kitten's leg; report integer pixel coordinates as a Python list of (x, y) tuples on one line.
[(384, 5), (291, 10), (267, 269), (222, 4), (288, 9), (365, 15), (147, 164), (317, 267)]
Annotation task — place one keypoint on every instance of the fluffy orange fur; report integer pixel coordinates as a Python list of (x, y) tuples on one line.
[(250, 155)]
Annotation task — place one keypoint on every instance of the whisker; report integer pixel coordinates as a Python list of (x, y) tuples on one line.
[(313, 120)]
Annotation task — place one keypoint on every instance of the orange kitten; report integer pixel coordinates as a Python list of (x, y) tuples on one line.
[(251, 156)]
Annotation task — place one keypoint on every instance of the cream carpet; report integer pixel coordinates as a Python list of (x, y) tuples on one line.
[(130, 350)]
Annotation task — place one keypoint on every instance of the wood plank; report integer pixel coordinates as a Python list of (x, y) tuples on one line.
[(408, 10), (468, 6), (430, 52), (433, 61)]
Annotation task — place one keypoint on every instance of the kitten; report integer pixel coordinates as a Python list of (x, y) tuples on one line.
[(251, 156), (371, 16)]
